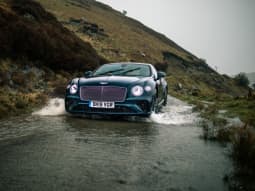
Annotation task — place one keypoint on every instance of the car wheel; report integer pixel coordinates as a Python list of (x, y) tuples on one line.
[(165, 98), (154, 105)]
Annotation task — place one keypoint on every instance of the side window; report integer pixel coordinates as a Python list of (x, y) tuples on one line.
[(154, 72)]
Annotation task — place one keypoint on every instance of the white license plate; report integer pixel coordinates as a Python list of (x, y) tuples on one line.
[(101, 104)]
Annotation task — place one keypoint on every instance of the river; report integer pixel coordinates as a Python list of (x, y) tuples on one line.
[(50, 150)]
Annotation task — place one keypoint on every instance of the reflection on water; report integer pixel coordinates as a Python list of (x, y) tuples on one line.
[(67, 153)]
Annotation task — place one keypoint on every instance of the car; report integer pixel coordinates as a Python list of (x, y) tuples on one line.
[(125, 89)]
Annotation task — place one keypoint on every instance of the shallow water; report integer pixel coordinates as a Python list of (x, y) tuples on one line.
[(51, 150)]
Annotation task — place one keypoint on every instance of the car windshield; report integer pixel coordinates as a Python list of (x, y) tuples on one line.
[(123, 70)]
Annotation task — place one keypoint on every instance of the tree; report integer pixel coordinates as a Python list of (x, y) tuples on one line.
[(241, 80), (253, 85), (124, 12)]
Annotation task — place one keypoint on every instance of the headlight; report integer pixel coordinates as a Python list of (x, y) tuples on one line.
[(147, 88), (73, 89), (137, 90)]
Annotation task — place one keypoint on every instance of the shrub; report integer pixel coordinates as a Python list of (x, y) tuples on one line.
[(21, 101), (242, 80), (244, 148), (42, 39), (161, 66), (19, 78)]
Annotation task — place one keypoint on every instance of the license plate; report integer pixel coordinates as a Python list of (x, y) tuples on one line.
[(101, 104)]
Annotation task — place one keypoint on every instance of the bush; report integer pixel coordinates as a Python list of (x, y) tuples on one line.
[(19, 78), (244, 148), (42, 39), (242, 80)]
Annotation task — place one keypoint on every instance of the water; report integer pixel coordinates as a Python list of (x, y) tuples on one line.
[(51, 150)]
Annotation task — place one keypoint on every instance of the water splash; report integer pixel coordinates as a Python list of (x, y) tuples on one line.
[(55, 107), (175, 112)]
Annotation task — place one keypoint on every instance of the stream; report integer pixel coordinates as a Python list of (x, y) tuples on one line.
[(51, 150)]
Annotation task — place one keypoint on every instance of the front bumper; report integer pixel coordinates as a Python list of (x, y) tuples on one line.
[(135, 106)]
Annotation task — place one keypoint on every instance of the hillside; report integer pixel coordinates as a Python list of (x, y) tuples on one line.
[(46, 43), (117, 37), (28, 31), (36, 55), (125, 38)]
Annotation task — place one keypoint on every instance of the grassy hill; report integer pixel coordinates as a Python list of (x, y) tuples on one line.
[(127, 38), (28, 31), (44, 43), (117, 37), (36, 55)]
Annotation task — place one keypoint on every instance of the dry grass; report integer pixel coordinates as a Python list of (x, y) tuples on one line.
[(126, 35), (31, 32), (243, 141), (19, 103), (130, 40)]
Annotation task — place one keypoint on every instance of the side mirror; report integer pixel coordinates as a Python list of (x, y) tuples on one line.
[(161, 74), (88, 74)]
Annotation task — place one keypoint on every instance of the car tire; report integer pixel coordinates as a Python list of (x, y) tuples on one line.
[(154, 105), (165, 98)]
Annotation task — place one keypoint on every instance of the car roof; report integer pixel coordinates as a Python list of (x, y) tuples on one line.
[(130, 63)]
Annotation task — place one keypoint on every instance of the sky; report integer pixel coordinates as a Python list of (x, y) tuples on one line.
[(220, 31)]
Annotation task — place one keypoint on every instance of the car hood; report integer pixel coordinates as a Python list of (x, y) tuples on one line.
[(124, 81)]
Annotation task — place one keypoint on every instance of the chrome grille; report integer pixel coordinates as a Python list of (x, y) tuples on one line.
[(103, 93)]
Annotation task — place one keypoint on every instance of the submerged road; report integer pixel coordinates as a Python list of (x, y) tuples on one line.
[(54, 151)]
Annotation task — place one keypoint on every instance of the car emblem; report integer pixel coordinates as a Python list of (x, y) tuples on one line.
[(103, 83)]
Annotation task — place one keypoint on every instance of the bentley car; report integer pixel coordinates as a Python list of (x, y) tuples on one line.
[(127, 89)]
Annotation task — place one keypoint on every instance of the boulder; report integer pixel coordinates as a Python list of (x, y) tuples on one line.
[(178, 87)]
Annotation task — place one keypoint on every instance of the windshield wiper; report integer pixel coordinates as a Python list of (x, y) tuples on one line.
[(131, 70), (108, 72)]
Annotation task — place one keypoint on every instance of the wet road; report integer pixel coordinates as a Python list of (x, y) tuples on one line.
[(60, 152)]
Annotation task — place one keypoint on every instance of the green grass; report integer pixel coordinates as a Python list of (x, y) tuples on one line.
[(215, 127), (242, 107)]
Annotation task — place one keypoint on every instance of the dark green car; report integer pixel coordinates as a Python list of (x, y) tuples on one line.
[(127, 89)]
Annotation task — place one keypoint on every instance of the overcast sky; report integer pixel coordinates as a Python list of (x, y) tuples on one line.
[(220, 31)]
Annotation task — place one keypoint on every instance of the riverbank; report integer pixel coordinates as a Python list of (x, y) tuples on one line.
[(24, 86), (230, 121), (226, 120)]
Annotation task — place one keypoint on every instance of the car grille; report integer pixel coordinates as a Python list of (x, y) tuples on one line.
[(103, 93)]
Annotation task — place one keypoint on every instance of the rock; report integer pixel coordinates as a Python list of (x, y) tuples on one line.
[(86, 27), (195, 91), (29, 16), (11, 83), (74, 21), (143, 54), (178, 87)]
